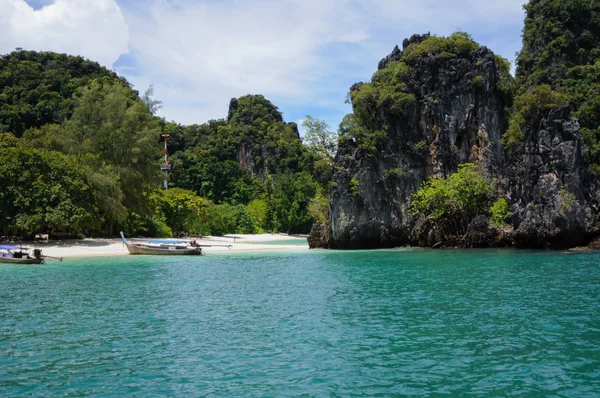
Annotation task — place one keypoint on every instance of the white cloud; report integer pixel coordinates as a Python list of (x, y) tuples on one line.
[(301, 54), (199, 54), (95, 29), (213, 51)]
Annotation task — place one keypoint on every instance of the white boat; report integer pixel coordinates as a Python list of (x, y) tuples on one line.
[(163, 247)]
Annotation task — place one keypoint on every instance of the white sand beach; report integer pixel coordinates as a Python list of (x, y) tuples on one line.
[(210, 244)]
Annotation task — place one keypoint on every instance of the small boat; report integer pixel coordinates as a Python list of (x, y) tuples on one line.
[(19, 255), (163, 247)]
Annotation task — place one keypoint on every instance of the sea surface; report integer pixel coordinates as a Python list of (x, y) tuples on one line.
[(312, 323)]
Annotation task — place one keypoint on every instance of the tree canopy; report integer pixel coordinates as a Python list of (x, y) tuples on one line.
[(561, 50), (37, 88), (100, 143)]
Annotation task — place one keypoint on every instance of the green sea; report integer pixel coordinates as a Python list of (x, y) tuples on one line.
[(312, 323)]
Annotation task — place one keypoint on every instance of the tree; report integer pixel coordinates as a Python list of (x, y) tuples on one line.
[(290, 201), (456, 199), (228, 219), (36, 88), (219, 181), (114, 134), (318, 137), (44, 192), (183, 211)]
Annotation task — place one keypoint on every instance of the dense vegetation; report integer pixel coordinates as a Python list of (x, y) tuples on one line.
[(80, 154), (561, 49), (455, 200), (80, 149), (529, 107), (37, 88)]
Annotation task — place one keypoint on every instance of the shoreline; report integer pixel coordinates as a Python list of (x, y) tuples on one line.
[(92, 247)]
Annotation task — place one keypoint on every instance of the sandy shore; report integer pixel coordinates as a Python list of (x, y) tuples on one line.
[(114, 247)]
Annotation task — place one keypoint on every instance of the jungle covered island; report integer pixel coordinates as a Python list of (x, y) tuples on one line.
[(80, 155), (445, 148)]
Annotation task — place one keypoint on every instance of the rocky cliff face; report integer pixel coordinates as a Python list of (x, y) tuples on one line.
[(457, 116), (263, 141), (552, 192)]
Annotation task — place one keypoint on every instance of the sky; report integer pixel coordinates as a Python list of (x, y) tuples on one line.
[(302, 55)]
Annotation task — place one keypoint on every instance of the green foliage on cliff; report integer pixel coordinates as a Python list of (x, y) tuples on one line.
[(36, 88), (388, 91), (530, 107), (561, 48), (458, 43), (567, 199), (367, 139), (505, 82), (558, 35), (499, 213), (455, 199)]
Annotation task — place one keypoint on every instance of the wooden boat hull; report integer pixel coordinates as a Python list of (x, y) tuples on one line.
[(10, 260), (141, 249)]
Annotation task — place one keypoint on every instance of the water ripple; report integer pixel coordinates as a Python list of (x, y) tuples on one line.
[(397, 322)]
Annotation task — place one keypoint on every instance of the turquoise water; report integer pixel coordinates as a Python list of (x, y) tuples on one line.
[(291, 242), (384, 323)]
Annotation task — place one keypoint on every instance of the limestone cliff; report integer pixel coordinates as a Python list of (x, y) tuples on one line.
[(264, 142), (432, 106)]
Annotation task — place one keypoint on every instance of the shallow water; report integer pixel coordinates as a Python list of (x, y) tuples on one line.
[(287, 242), (412, 322)]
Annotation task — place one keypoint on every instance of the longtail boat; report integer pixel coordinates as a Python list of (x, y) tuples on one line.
[(163, 247), (20, 255)]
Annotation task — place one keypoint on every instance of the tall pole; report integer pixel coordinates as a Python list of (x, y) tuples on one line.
[(166, 167)]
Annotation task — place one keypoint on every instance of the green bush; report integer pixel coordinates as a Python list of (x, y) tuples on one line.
[(535, 104), (459, 43), (368, 139), (354, 187), (394, 173), (478, 81), (318, 207), (529, 108), (258, 211), (505, 82), (499, 213), (514, 135), (229, 219), (183, 211), (159, 229), (567, 199), (457, 198), (395, 72)]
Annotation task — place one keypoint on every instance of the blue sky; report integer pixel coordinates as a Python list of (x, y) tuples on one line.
[(303, 55)]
